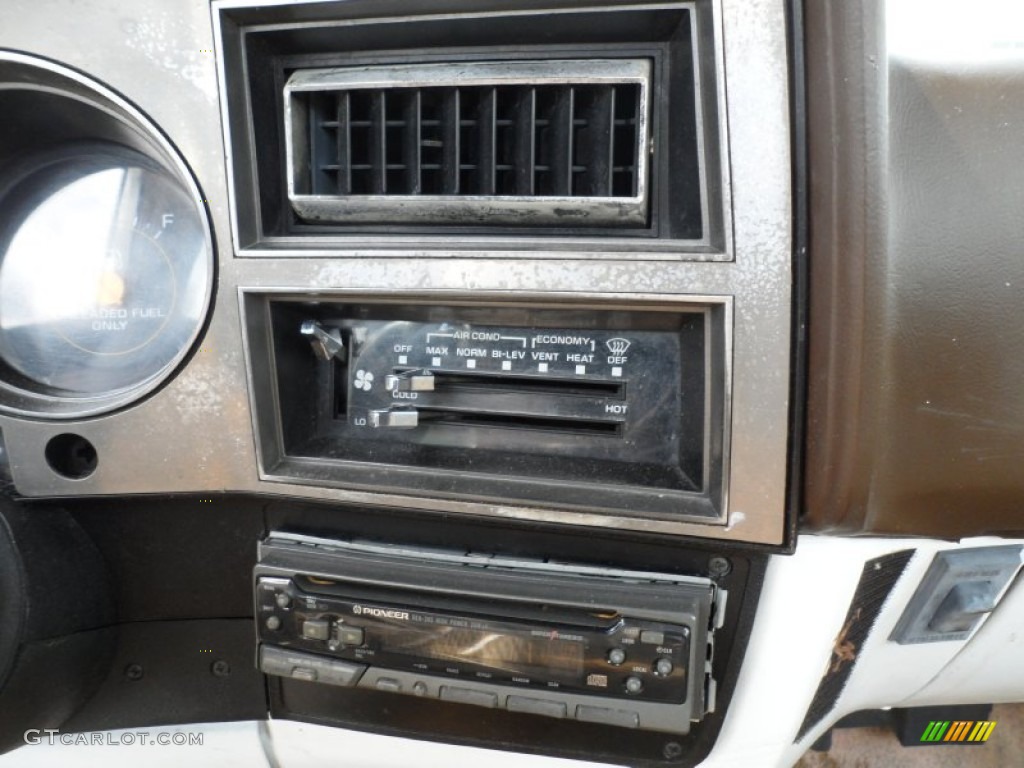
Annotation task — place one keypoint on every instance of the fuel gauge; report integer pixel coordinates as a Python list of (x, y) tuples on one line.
[(105, 273)]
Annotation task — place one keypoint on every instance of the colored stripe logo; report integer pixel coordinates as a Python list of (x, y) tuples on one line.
[(958, 731)]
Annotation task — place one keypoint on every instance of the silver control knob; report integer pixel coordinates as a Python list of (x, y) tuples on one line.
[(283, 600), (616, 656), (663, 667), (273, 623), (403, 419), (410, 381), (326, 343), (634, 685)]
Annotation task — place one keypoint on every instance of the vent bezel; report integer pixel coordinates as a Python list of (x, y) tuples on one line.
[(515, 210), (689, 193)]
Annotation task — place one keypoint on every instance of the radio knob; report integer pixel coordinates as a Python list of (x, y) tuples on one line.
[(663, 667), (282, 600), (616, 656), (273, 623), (634, 685)]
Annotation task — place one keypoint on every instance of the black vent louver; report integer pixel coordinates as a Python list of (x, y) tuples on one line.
[(554, 142)]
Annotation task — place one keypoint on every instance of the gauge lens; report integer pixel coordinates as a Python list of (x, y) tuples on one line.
[(104, 272)]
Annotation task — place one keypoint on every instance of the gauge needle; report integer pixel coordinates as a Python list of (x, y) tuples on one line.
[(110, 290)]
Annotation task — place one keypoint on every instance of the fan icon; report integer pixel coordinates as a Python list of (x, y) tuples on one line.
[(364, 380)]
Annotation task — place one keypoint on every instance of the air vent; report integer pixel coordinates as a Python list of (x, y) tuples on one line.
[(519, 142)]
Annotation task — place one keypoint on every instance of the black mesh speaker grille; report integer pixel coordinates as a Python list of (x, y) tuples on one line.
[(876, 582)]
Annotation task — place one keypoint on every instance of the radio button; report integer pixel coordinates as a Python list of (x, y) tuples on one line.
[(663, 667), (304, 666), (620, 717), (536, 706), (616, 656), (634, 685), (282, 600), (273, 623), (650, 637), (388, 684), (316, 629), (349, 635), (339, 673), (304, 673), (419, 688), (468, 696)]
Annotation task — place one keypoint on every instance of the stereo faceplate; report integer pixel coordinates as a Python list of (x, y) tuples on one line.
[(623, 648)]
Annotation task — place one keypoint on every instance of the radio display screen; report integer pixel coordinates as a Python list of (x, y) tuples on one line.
[(516, 653)]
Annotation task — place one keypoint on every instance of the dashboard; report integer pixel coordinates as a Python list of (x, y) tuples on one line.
[(575, 379)]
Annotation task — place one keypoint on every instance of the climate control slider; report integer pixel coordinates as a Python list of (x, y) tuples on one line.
[(405, 418), (410, 381)]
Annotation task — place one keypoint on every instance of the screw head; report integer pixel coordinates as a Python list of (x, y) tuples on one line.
[(673, 750), (719, 566), (220, 668), (133, 672)]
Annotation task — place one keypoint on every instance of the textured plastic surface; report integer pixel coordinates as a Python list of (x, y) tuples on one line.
[(916, 344), (56, 612)]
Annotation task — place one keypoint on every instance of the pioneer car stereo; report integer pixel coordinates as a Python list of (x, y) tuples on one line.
[(627, 649)]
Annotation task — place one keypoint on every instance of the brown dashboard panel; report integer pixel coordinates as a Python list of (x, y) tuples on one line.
[(916, 410)]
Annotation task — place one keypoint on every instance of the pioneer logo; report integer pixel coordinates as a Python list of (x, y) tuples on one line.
[(380, 613)]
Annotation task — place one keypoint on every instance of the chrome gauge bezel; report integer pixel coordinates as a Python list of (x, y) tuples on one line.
[(113, 120)]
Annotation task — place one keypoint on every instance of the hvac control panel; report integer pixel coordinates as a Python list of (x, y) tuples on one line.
[(619, 411), (566, 384)]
